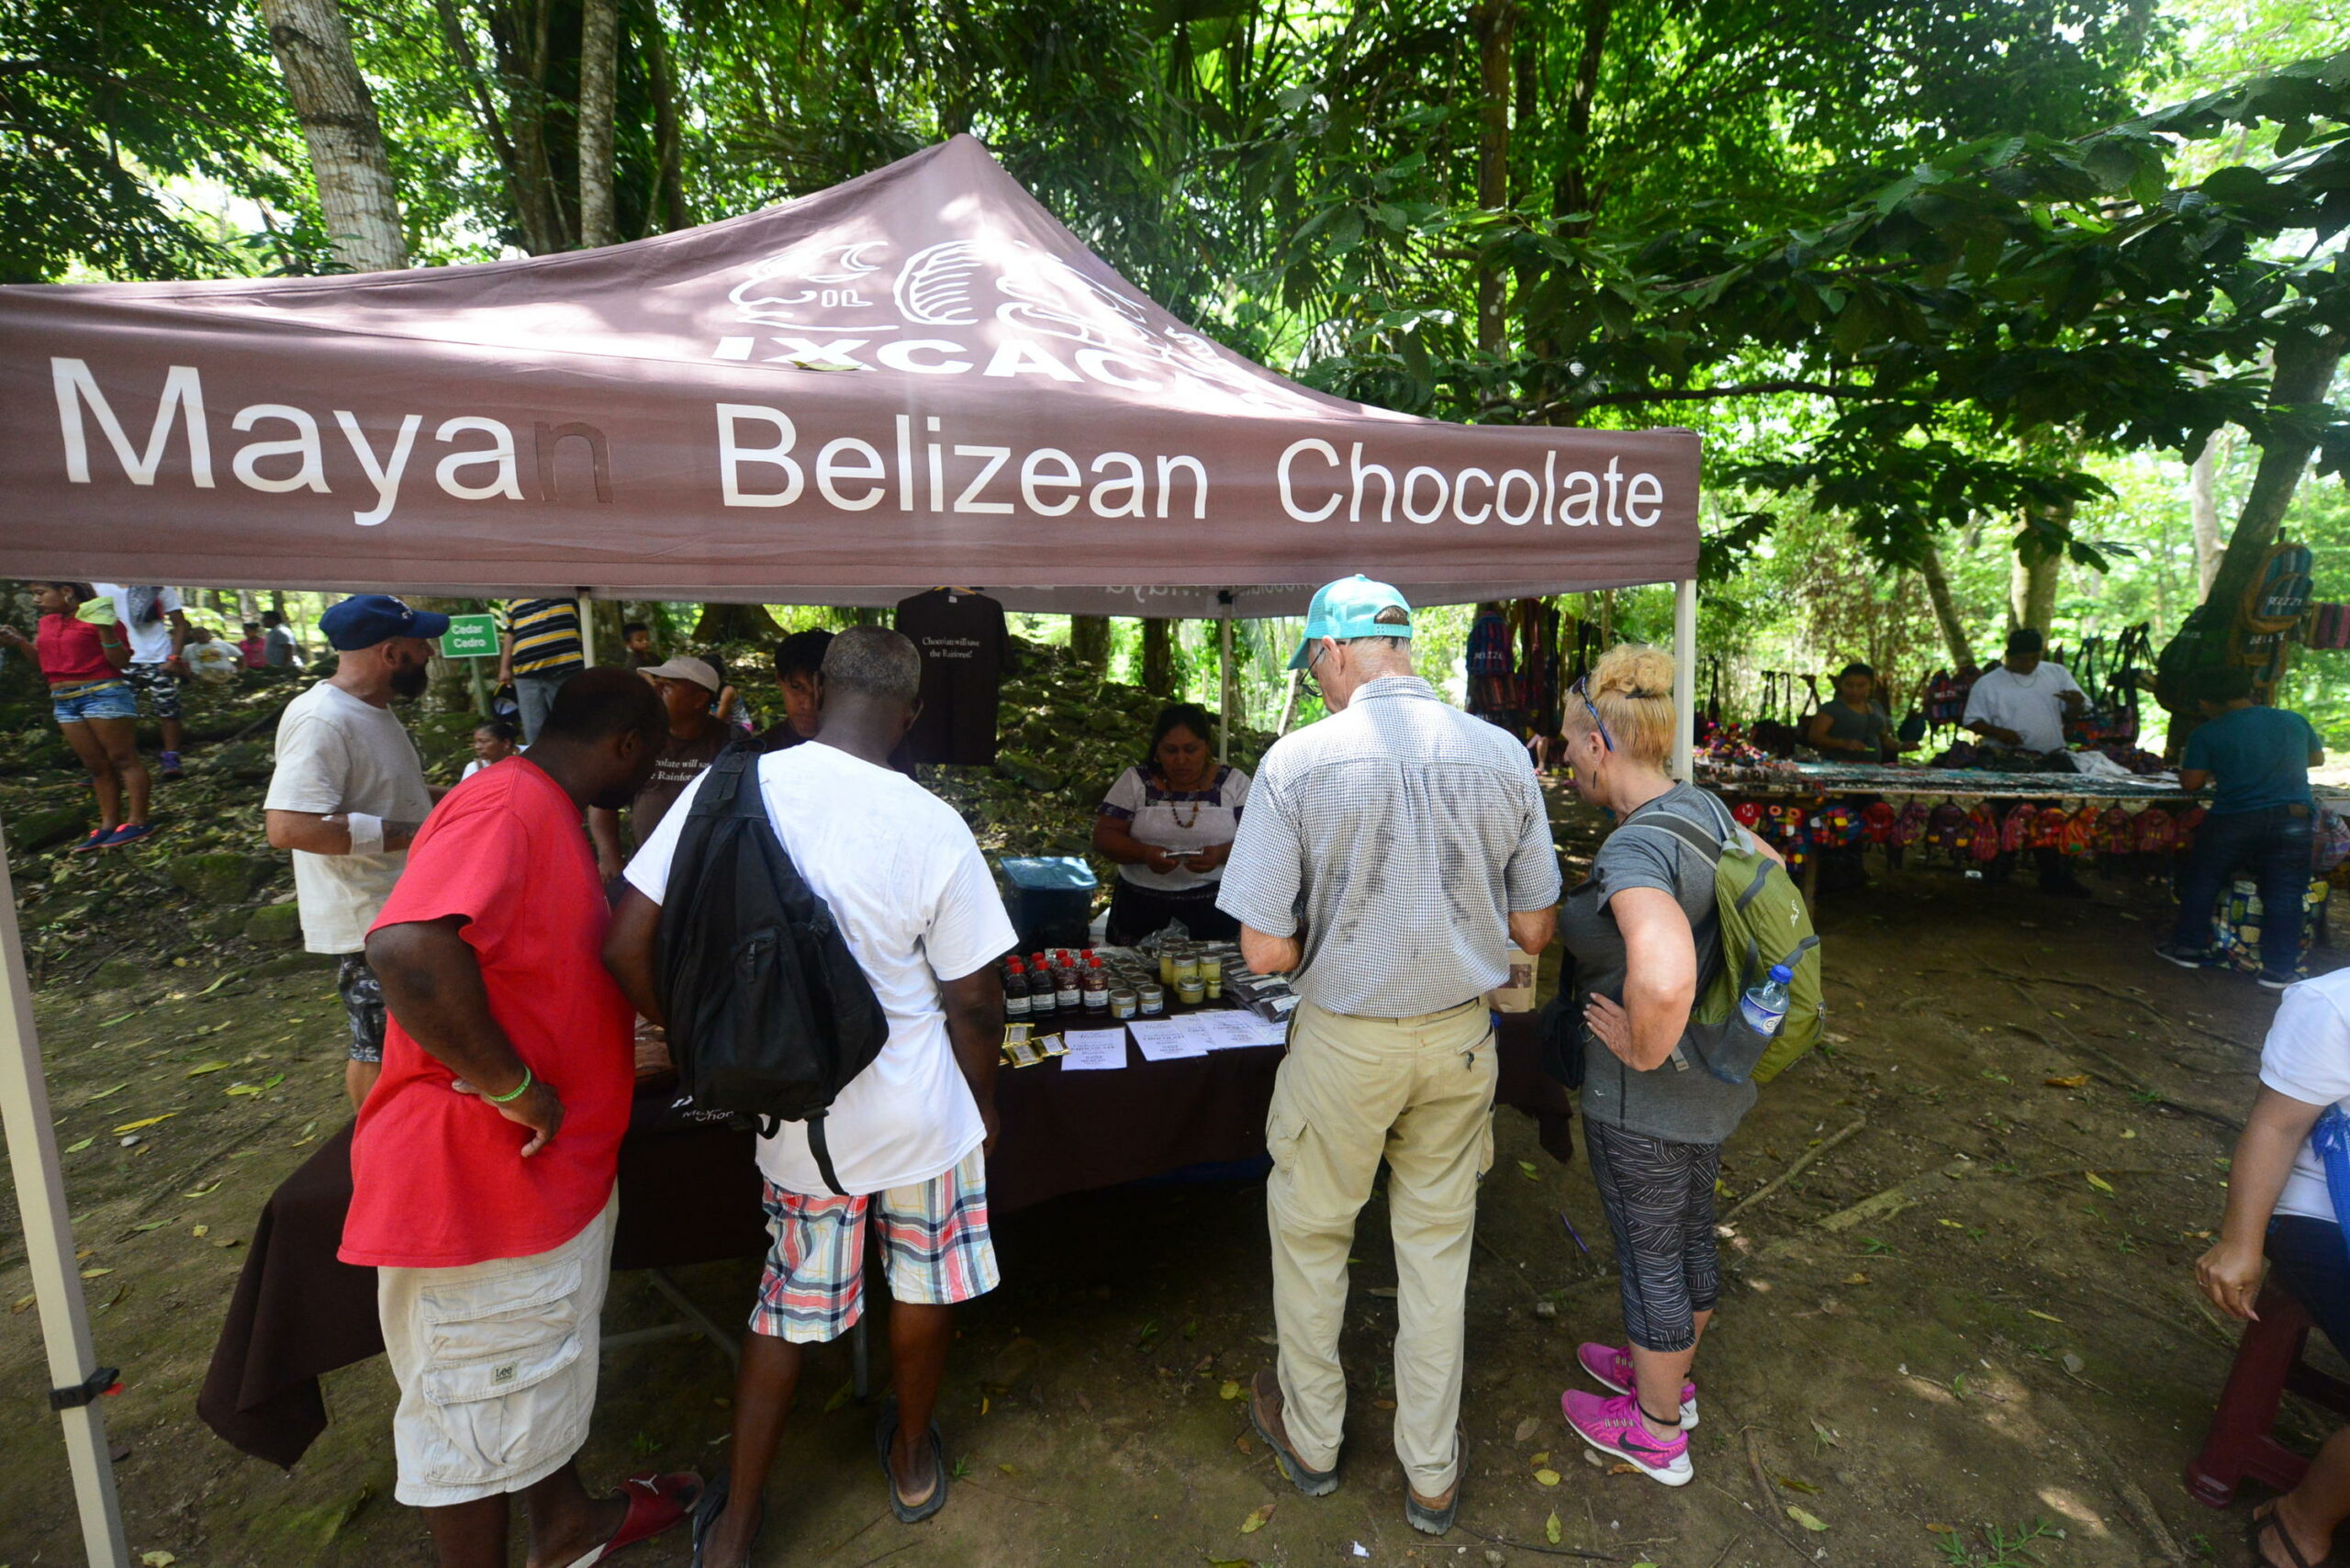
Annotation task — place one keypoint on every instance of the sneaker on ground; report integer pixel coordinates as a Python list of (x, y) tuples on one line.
[(128, 833), (1610, 1366), (99, 837), (1616, 1426), (2185, 958), (2276, 982), (171, 764)]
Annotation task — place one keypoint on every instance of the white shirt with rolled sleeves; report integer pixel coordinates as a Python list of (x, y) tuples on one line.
[(915, 901), (1400, 834), (2307, 1058), (2032, 705), (150, 644)]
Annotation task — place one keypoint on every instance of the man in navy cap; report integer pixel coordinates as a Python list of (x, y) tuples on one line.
[(1388, 854), (348, 794)]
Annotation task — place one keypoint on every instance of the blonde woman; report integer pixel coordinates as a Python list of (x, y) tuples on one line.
[(1640, 932)]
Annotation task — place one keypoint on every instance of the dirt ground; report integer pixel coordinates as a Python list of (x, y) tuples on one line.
[(2001, 1360)]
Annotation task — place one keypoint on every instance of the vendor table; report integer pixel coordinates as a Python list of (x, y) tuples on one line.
[(690, 1193), (1810, 778)]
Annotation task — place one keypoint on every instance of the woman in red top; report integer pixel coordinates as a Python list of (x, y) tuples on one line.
[(83, 659)]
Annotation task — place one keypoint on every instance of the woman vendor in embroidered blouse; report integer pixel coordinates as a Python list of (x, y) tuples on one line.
[(1169, 824)]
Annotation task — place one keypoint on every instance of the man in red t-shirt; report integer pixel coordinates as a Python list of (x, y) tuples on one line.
[(483, 1166)]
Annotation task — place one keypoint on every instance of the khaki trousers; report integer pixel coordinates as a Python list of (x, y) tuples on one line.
[(1419, 1092)]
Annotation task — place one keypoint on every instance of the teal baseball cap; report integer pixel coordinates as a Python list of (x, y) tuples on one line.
[(1349, 608)]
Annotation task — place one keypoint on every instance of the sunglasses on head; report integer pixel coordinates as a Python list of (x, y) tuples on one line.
[(1581, 690)]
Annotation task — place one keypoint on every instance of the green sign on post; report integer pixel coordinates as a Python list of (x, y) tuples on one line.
[(470, 637)]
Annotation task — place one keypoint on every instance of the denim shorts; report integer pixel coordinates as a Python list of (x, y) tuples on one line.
[(92, 699)]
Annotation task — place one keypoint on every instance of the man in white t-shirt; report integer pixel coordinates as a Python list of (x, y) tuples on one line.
[(156, 624), (2280, 1215), (916, 902), (348, 794), (2023, 701)]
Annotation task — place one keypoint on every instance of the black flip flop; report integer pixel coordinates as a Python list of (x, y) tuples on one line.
[(885, 1433), (712, 1504), (2267, 1524)]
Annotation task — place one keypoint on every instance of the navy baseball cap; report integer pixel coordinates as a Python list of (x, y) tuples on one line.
[(366, 619)]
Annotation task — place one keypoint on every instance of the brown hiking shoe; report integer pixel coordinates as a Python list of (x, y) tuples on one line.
[(1265, 1415)]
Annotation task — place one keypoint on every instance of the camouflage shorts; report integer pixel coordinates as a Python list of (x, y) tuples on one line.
[(363, 1006)]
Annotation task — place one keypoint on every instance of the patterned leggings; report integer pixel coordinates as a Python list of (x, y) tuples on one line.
[(1659, 1201)]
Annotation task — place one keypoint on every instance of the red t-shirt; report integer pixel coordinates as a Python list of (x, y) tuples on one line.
[(71, 650), (438, 1179)]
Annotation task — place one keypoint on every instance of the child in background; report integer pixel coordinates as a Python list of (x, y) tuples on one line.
[(83, 653)]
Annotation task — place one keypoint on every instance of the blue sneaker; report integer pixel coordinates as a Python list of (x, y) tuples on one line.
[(128, 833)]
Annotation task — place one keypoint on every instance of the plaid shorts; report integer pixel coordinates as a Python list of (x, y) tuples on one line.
[(158, 686), (935, 1249), (363, 1007)]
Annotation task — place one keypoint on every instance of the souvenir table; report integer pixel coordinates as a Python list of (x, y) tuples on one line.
[(690, 1193)]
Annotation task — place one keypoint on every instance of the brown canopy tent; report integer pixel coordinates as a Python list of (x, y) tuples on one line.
[(917, 377)]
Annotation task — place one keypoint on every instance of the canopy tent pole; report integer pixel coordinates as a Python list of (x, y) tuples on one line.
[(579, 607), (1685, 679), (49, 1247)]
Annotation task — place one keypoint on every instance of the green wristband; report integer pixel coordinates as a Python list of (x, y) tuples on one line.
[(514, 1094)]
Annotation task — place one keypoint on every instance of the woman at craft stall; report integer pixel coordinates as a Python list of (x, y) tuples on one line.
[(1640, 931), (82, 652), (2285, 1189), (1169, 823), (1853, 725)]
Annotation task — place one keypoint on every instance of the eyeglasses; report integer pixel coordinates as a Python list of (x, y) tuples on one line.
[(1580, 689), (1315, 657)]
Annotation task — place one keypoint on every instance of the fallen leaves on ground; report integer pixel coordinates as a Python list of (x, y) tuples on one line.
[(2044, 1316), (2099, 1182), (1546, 1477), (1527, 1429), (1258, 1518), (1806, 1517), (147, 1122), (1230, 1390), (2076, 1080), (200, 1069), (1551, 1530)]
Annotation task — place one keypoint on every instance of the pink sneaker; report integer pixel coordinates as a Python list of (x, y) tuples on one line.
[(1610, 1366), (1615, 1427)]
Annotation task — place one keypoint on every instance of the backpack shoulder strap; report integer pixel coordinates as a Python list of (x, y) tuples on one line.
[(1678, 827)]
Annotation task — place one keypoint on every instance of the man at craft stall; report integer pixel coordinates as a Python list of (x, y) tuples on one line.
[(907, 1138), (348, 796), (798, 674), (483, 1166), (2263, 817), (695, 737), (2021, 704), (1389, 853), (1169, 823)]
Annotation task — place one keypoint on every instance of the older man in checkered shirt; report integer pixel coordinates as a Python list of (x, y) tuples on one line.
[(1387, 855)]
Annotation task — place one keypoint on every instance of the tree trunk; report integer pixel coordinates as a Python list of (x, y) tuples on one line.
[(1571, 193), (1088, 642), (1158, 656), (2032, 593), (2204, 507), (1945, 611), (2305, 366), (736, 623), (1495, 22), (312, 42), (599, 47), (667, 150)]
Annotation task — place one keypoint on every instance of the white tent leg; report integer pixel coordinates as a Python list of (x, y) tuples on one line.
[(580, 606), (48, 1242), (1685, 679)]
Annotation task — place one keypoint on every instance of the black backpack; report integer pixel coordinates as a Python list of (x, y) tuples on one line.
[(770, 1015)]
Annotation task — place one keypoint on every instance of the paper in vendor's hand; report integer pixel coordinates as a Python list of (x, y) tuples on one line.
[(652, 1049)]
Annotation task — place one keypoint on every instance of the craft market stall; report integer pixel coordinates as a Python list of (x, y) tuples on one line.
[(917, 378)]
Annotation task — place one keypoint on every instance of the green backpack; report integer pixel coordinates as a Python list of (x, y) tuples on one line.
[(1763, 923)]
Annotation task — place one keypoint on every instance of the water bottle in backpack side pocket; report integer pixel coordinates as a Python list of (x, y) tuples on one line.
[(1765, 1006)]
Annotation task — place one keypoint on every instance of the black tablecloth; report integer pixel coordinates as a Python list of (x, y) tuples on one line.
[(690, 1193)]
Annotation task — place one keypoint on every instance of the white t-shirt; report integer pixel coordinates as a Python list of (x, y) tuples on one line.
[(214, 661), (150, 643), (1185, 822), (906, 882), (2307, 1058), (336, 753), (2032, 705)]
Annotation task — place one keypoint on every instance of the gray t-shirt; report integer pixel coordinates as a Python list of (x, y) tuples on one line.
[(1869, 724), (1679, 1104)]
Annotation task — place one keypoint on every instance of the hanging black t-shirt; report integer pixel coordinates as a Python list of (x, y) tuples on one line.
[(963, 646)]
